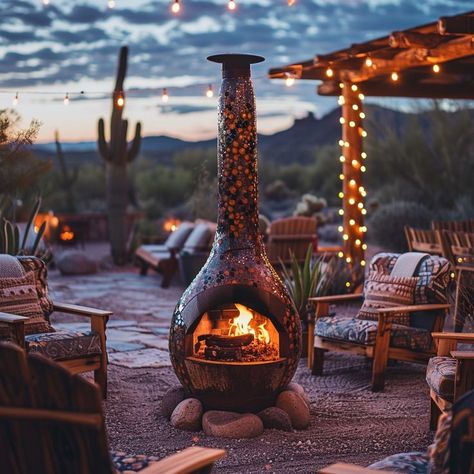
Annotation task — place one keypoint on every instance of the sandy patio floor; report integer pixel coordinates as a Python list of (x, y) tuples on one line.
[(348, 422)]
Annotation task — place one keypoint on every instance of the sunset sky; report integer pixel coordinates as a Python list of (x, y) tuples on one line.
[(72, 46)]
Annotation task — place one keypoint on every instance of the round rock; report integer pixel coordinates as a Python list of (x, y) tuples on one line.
[(170, 400), (75, 262), (187, 415), (226, 424), (276, 418), (296, 387), (297, 409)]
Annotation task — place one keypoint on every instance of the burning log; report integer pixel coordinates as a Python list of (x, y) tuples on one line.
[(226, 341)]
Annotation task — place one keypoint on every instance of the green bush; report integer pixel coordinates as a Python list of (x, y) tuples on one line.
[(387, 223)]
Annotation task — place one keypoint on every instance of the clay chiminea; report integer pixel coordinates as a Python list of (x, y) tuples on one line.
[(235, 337)]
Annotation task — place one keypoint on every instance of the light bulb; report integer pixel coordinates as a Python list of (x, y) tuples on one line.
[(231, 5), (45, 2), (361, 96), (66, 99), (352, 124), (342, 120), (210, 91), (291, 2), (363, 155), (165, 97), (394, 76), (345, 237), (16, 99), (436, 68), (364, 246), (120, 100), (355, 107), (342, 159), (354, 87), (341, 177), (362, 115), (362, 263), (341, 212), (352, 222), (368, 61), (329, 72), (111, 4), (340, 254), (289, 81), (176, 6)]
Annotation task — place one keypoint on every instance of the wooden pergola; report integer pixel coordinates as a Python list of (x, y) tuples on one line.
[(428, 61)]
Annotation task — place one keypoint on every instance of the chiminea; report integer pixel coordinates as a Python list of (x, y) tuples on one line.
[(235, 337)]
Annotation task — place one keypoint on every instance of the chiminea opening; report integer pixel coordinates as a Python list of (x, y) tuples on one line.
[(235, 337)]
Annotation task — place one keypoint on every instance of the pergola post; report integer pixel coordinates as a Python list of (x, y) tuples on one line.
[(352, 159)]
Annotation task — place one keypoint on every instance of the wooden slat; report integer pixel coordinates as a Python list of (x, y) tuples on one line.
[(462, 354), (458, 336), (413, 308), (187, 461)]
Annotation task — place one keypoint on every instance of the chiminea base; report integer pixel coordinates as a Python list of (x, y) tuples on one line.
[(236, 386)]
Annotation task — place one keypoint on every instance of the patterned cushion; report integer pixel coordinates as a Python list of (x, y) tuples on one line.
[(433, 276), (18, 296), (408, 463), (363, 331), (439, 451), (440, 375), (124, 463), (40, 270), (64, 345), (385, 291)]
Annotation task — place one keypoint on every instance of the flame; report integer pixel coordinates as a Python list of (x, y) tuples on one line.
[(171, 224), (66, 234), (240, 325)]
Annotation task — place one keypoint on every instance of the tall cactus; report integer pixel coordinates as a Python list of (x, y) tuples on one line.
[(117, 155), (67, 178)]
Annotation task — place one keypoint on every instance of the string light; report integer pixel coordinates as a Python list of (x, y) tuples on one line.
[(340, 254), (66, 99), (394, 76), (342, 159), (361, 96), (352, 124), (120, 100), (354, 87), (341, 212), (341, 177), (436, 68), (164, 96), (111, 4), (45, 3), (355, 107), (291, 2), (289, 81), (341, 100), (231, 5), (176, 7), (363, 155), (362, 115), (329, 72), (342, 120), (210, 91), (341, 85), (368, 61), (341, 142), (16, 99)]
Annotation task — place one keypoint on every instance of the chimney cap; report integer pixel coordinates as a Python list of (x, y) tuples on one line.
[(235, 60)]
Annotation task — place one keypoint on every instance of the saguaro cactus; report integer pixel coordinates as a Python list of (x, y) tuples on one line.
[(117, 155), (68, 178)]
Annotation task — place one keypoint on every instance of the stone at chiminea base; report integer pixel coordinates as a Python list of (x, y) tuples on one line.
[(293, 404), (296, 387), (187, 415), (226, 424), (171, 399), (75, 262), (275, 418)]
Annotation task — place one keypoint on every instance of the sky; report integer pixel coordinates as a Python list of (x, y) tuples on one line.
[(65, 47)]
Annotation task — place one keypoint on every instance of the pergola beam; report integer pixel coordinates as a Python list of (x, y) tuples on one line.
[(456, 25)]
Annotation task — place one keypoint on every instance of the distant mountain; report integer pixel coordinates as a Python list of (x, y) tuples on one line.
[(293, 145)]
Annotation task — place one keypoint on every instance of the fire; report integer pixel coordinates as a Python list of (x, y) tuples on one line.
[(66, 234), (241, 325)]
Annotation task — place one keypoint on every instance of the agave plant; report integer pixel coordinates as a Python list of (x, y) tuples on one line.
[(14, 242)]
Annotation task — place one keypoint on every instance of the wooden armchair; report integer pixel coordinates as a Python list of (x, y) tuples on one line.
[(381, 340), (291, 234), (51, 422), (420, 240), (77, 351), (450, 374)]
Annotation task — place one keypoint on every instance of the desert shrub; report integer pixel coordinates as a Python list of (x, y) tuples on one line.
[(309, 205), (387, 223), (277, 191)]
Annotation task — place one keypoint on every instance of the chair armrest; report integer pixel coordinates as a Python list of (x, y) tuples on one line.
[(462, 355), (186, 461), (12, 318), (80, 310), (413, 308), (343, 468), (455, 336), (336, 298)]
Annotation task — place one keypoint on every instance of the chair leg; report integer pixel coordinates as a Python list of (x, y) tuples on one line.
[(143, 268), (379, 365), (435, 413), (99, 324), (168, 270), (318, 361), (100, 378)]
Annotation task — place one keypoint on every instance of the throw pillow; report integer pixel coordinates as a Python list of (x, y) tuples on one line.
[(19, 296), (385, 291)]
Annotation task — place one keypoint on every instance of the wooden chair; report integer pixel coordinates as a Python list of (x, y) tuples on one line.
[(163, 258), (381, 340), (420, 240), (450, 374), (451, 453), (77, 351), (290, 235), (456, 226), (51, 422)]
